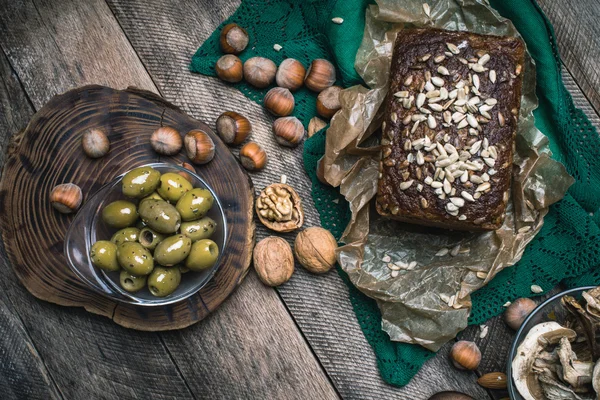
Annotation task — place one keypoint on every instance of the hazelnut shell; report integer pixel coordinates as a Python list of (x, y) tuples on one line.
[(465, 355), (290, 74), (282, 226), (259, 72), (315, 249), (229, 68), (233, 128), (233, 39), (328, 102), (315, 125), (199, 147), (253, 157), (288, 131), (517, 311), (320, 75), (66, 197), (95, 143), (273, 261), (166, 141), (279, 101)]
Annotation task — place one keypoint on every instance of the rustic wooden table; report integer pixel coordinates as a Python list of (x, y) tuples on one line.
[(302, 341)]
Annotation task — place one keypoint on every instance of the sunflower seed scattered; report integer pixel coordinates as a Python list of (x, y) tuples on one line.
[(406, 185), (394, 274), (386, 259), (508, 303), (455, 250), (337, 20), (439, 59), (401, 94), (483, 187), (457, 201), (501, 119), (406, 120), (472, 121), (536, 289), (424, 203), (492, 76), (442, 252), (453, 49), (415, 126), (431, 122), (462, 124), (277, 47), (484, 331), (408, 80), (437, 81), (427, 9), (483, 59), (518, 69), (420, 100)]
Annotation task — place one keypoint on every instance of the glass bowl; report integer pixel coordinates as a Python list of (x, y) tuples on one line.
[(87, 228), (549, 310)]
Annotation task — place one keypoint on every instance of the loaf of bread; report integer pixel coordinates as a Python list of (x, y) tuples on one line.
[(449, 129)]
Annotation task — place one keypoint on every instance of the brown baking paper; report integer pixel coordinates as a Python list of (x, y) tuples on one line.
[(429, 303)]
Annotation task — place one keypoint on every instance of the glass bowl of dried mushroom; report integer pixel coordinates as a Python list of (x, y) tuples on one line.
[(556, 353)]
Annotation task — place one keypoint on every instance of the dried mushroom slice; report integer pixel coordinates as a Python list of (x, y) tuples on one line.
[(279, 208), (576, 373), (587, 322), (525, 372), (592, 298)]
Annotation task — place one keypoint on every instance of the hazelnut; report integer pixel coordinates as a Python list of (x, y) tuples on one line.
[(273, 261), (95, 143), (66, 197), (288, 131), (233, 39), (320, 75), (315, 249), (290, 74), (321, 172), (279, 101), (253, 157), (328, 102), (166, 141), (233, 128), (229, 68), (315, 125), (518, 311), (279, 208), (187, 176), (199, 147), (465, 355), (259, 72)]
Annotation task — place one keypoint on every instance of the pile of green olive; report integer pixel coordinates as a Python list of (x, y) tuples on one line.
[(166, 234)]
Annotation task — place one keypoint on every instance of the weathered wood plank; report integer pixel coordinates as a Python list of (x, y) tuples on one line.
[(165, 35), (57, 45), (578, 35)]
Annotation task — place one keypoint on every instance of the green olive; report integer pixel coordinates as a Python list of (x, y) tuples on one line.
[(149, 238), (152, 196), (140, 182), (104, 255), (195, 204), (120, 214), (172, 186), (163, 281), (203, 255), (125, 235), (160, 216), (201, 229), (172, 250), (132, 283), (134, 258)]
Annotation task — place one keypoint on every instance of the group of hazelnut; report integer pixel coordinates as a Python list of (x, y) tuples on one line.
[(261, 72), (165, 140)]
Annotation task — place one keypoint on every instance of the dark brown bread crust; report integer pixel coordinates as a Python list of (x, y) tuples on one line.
[(409, 149)]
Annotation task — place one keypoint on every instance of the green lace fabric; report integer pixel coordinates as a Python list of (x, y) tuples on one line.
[(567, 249)]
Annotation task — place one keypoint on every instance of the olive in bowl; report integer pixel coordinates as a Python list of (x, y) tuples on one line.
[(150, 246)]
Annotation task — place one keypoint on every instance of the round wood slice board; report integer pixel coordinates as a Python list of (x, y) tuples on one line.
[(48, 152)]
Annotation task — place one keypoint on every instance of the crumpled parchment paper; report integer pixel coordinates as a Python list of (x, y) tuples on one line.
[(429, 303)]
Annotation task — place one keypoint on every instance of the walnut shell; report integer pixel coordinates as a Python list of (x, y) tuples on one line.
[(279, 208), (273, 261), (315, 249)]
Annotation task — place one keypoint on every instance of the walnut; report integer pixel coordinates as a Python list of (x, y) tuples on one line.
[(273, 261), (315, 249), (279, 208)]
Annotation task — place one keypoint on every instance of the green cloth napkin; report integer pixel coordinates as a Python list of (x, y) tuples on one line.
[(567, 249)]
